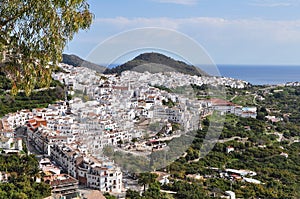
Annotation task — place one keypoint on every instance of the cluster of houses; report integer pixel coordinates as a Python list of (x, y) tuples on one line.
[(9, 143), (230, 174), (62, 184), (60, 137), (243, 175), (292, 84), (225, 107), (108, 110), (175, 79)]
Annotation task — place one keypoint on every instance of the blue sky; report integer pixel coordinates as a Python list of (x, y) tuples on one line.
[(261, 32)]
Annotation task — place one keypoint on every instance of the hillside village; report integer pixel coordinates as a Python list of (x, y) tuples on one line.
[(110, 110), (163, 125)]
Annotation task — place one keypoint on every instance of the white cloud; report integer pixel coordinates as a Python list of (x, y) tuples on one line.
[(181, 2), (215, 28), (272, 4), (227, 40), (123, 22), (275, 3)]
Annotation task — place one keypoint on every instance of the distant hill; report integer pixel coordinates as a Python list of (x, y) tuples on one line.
[(77, 61), (156, 62)]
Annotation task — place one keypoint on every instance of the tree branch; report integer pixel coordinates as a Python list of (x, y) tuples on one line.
[(14, 17)]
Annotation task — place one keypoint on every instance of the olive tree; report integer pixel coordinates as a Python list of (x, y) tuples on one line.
[(33, 34)]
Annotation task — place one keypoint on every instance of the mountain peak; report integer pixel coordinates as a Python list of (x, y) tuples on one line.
[(74, 60), (156, 62), (152, 56)]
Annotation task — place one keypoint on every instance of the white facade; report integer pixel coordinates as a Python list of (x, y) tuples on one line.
[(89, 171)]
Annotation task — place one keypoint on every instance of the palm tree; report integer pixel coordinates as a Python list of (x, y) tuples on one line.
[(146, 179)]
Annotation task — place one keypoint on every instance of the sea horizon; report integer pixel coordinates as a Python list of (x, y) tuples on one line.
[(257, 74), (261, 74)]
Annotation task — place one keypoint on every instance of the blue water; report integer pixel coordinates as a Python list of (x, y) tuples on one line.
[(261, 75)]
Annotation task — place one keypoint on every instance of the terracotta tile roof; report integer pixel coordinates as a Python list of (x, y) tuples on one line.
[(221, 102)]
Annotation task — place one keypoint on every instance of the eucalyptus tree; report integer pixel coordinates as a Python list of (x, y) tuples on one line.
[(33, 34)]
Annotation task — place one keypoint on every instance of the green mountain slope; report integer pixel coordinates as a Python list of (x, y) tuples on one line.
[(156, 62), (74, 60)]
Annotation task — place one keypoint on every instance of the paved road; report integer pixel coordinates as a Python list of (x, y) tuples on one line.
[(132, 184), (232, 138), (21, 133)]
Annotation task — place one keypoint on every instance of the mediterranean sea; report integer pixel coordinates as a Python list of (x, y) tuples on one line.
[(261, 75)]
